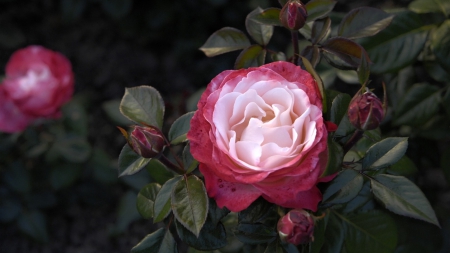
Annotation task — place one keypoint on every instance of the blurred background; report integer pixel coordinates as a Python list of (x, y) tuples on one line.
[(59, 190)]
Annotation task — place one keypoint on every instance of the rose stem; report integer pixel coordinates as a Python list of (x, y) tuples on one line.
[(353, 140), (171, 165), (294, 35)]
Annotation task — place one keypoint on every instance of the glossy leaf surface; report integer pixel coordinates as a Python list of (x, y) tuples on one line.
[(160, 241), (418, 105), (225, 40), (130, 162), (259, 32), (363, 22), (146, 199), (252, 56), (190, 203), (385, 153), (399, 44), (179, 128), (401, 196), (143, 104), (162, 205)]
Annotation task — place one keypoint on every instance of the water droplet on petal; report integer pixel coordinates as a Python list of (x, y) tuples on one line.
[(220, 180), (233, 189), (220, 185)]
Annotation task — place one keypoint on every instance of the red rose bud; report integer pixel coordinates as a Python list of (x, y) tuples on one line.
[(365, 111), (146, 141), (293, 15), (296, 227)]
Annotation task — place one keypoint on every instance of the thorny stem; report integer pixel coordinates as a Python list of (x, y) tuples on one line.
[(294, 35), (171, 165), (357, 135)]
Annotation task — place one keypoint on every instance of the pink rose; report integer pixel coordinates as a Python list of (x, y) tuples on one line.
[(38, 82), (260, 132)]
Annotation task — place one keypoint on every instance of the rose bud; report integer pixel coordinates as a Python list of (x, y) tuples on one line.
[(365, 111), (146, 141), (293, 15), (296, 227)]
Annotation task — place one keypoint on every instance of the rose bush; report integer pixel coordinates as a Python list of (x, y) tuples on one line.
[(38, 82), (260, 132)]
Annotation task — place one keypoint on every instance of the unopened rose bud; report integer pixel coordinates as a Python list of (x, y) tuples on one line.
[(296, 227), (365, 111), (293, 15), (146, 141)]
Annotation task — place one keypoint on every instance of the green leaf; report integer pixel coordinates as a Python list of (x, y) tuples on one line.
[(319, 234), (160, 241), (259, 32), (252, 56), (162, 206), (112, 110), (312, 53), (130, 162), (427, 6), (143, 105), (17, 178), (255, 233), (102, 169), (158, 171), (270, 16), (335, 156), (385, 153), (372, 231), (146, 200), (190, 203), (334, 234), (225, 40), (436, 71), (274, 247), (319, 8), (318, 80), (126, 213), (179, 128), (399, 44), (33, 224), (190, 164), (73, 148), (212, 235), (445, 164), (10, 209), (363, 70), (418, 105), (344, 187), (75, 118), (343, 53), (401, 196), (64, 175), (339, 108), (440, 43), (363, 22), (364, 198), (260, 211), (404, 167), (320, 30), (344, 128)]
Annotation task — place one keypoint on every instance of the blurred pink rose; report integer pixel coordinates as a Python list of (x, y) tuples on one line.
[(38, 82), (260, 132)]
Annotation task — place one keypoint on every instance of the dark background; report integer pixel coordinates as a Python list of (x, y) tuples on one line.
[(112, 45)]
